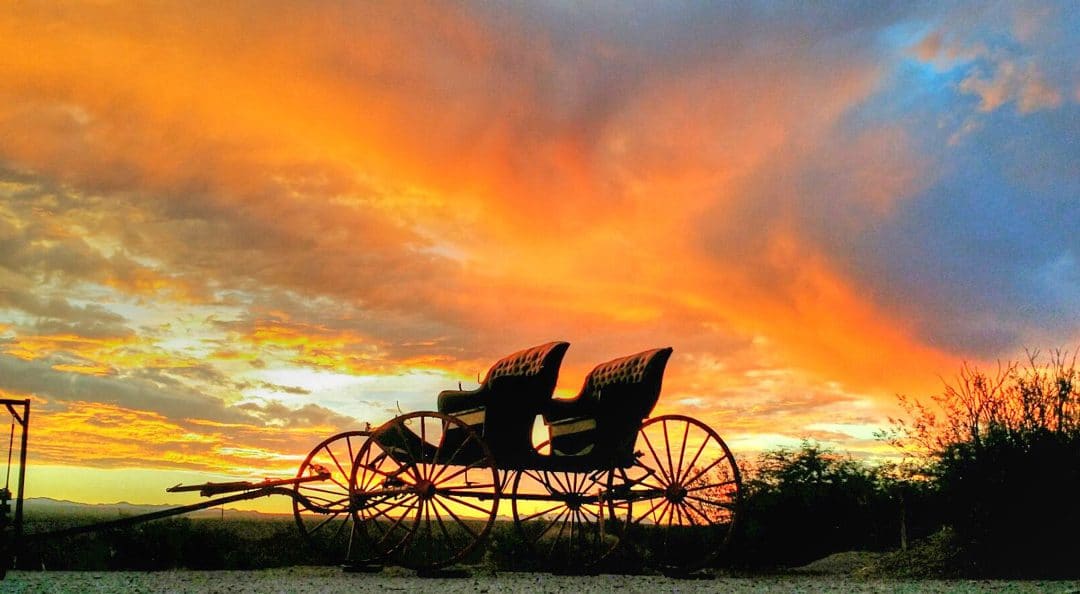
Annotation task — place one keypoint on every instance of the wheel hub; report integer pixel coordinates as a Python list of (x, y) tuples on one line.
[(425, 489), (675, 493)]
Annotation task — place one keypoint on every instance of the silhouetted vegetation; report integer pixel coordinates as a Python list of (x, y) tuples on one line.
[(803, 504), (1003, 457), (170, 544), (993, 469)]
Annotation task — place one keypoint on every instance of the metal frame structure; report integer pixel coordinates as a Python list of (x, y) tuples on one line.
[(11, 526)]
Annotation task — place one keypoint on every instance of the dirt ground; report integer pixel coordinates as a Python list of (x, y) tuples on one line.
[(323, 579)]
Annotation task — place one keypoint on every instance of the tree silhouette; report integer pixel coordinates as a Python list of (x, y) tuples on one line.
[(1003, 453)]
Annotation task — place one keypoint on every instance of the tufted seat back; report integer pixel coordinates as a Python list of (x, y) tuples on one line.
[(615, 398), (503, 408), (529, 362)]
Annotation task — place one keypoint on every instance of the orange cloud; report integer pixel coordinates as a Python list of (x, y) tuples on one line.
[(91, 434)]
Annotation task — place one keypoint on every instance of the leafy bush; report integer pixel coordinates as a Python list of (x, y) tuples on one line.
[(1004, 458), (804, 504)]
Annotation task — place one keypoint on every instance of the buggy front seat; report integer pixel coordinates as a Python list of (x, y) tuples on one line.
[(502, 410)]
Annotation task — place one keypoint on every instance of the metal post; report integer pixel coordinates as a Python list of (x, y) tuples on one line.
[(22, 476)]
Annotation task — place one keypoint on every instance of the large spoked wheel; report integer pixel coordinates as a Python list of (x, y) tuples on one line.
[(686, 492), (569, 520), (321, 507), (425, 490)]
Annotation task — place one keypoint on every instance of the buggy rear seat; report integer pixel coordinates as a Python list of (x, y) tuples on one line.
[(602, 421)]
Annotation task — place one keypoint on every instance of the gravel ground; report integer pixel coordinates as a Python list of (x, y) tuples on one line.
[(322, 579)]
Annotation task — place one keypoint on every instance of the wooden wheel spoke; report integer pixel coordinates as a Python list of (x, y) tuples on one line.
[(690, 516), (320, 500), (711, 486), (678, 514), (338, 482), (659, 464), (332, 502), (401, 518), (465, 487), (534, 475), (461, 501), (438, 450), (548, 526), (391, 475), (330, 452), (348, 445), (459, 521), (306, 488), (410, 535), (682, 449), (442, 525), (344, 522), (667, 451), (439, 479), (705, 470), (323, 523), (538, 514), (390, 508), (585, 510), (699, 512), (450, 461), (423, 442), (554, 477), (710, 502), (427, 524), (407, 444), (661, 501), (697, 455), (562, 528)]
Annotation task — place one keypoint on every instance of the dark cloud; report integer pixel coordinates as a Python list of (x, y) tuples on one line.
[(158, 393), (276, 414), (55, 315)]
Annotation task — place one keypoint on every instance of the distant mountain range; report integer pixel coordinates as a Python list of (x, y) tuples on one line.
[(58, 507)]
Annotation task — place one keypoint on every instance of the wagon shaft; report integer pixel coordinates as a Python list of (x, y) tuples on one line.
[(211, 489)]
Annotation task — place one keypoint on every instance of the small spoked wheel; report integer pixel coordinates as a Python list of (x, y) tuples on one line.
[(321, 507), (425, 490), (685, 491), (569, 520)]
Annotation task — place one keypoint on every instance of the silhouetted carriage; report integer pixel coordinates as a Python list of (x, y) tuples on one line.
[(423, 489)]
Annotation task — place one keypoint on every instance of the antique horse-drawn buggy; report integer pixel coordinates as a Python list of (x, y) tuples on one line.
[(424, 489)]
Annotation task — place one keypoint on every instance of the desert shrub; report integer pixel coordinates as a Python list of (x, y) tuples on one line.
[(169, 544), (1003, 452), (803, 504)]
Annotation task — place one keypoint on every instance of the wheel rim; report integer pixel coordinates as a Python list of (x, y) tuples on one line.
[(322, 512), (421, 504), (573, 520), (686, 492)]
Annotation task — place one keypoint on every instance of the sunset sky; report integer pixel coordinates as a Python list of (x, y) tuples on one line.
[(229, 232)]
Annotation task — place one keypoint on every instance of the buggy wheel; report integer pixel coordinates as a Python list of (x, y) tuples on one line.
[(321, 508), (568, 520), (425, 490), (685, 491)]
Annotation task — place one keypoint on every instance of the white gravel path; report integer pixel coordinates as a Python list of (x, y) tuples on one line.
[(331, 580)]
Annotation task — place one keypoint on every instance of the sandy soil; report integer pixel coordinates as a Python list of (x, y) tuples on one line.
[(322, 579)]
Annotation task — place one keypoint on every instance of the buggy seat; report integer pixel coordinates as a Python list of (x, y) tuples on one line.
[(602, 421), (502, 410)]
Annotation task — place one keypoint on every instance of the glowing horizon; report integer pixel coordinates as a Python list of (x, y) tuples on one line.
[(227, 234)]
